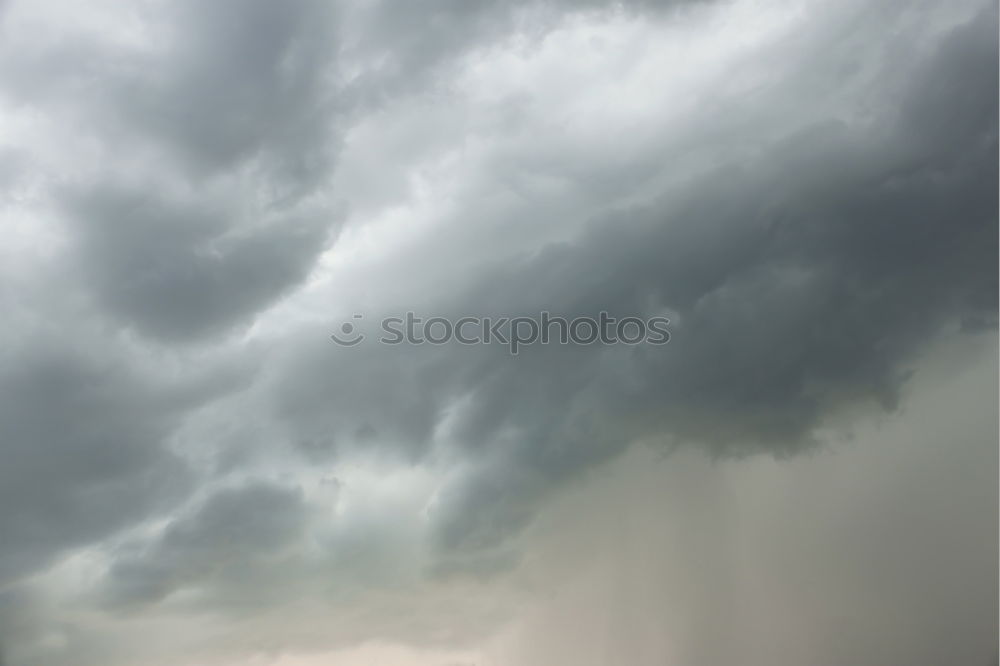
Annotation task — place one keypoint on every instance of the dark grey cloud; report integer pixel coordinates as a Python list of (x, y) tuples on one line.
[(240, 82), (233, 104), (84, 455), (183, 270), (801, 283), (177, 179), (220, 87), (236, 535)]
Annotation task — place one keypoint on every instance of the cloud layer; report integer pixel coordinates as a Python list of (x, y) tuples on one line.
[(197, 195)]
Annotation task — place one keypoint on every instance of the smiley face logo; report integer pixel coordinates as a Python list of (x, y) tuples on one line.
[(348, 334)]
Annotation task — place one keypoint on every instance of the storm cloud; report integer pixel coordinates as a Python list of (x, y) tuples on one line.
[(198, 194)]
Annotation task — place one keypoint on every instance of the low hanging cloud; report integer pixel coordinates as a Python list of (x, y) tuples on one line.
[(801, 283), (95, 435), (199, 195), (176, 272)]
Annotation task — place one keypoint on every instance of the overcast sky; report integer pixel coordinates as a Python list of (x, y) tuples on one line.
[(195, 195)]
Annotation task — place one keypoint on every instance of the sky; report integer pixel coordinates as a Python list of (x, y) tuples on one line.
[(200, 198)]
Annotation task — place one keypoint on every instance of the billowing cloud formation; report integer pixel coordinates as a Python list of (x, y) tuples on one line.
[(199, 194), (93, 434), (175, 272), (234, 527)]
